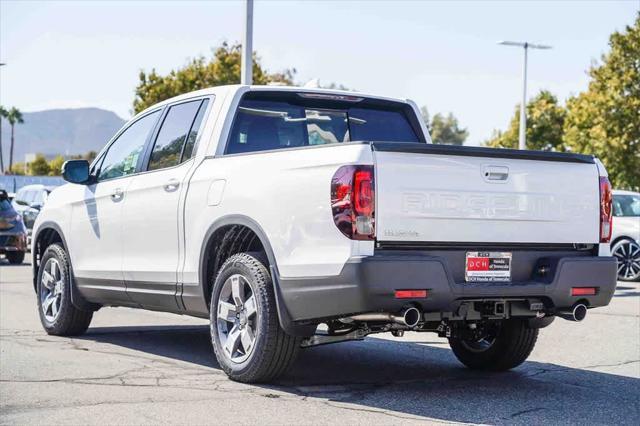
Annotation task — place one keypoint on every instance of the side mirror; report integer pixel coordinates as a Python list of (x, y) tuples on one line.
[(76, 171), (36, 206)]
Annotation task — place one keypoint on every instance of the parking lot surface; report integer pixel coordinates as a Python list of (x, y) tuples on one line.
[(139, 367)]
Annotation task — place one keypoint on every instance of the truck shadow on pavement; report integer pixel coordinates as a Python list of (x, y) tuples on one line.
[(404, 379)]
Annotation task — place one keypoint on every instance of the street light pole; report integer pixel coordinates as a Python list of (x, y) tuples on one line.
[(522, 134), (246, 65)]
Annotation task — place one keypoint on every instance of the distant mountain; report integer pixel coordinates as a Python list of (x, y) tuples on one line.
[(60, 131)]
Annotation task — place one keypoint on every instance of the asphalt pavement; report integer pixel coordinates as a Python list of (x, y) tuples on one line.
[(141, 367)]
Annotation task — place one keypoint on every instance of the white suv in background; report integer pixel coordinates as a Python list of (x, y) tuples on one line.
[(625, 242)]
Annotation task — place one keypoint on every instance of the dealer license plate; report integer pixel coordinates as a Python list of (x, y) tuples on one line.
[(484, 266)]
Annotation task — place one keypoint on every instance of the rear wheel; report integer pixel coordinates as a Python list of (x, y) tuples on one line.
[(58, 315), (249, 343), (627, 252), (501, 346), (15, 257)]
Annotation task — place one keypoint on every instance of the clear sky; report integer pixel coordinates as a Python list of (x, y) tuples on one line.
[(440, 54)]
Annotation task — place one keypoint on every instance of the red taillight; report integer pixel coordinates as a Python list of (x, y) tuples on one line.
[(606, 216), (353, 201), (583, 291), (411, 294)]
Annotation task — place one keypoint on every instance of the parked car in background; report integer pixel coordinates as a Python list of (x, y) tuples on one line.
[(13, 235), (625, 244), (28, 202)]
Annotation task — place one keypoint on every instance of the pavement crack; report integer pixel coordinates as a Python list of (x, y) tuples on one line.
[(531, 410), (612, 365)]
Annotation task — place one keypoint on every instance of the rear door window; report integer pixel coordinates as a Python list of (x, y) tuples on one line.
[(192, 139), (176, 128)]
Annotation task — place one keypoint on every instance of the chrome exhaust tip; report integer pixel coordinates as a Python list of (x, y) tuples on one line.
[(577, 313), (411, 317)]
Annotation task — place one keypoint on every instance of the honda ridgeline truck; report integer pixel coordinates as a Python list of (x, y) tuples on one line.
[(272, 211)]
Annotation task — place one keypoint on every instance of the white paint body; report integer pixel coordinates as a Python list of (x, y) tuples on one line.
[(150, 234), (450, 199)]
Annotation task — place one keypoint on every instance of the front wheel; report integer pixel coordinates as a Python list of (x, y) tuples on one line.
[(502, 346), (58, 315), (249, 343)]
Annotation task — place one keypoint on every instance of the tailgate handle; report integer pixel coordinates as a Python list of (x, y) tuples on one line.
[(495, 173)]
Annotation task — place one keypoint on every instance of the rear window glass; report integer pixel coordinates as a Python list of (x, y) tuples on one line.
[(269, 124)]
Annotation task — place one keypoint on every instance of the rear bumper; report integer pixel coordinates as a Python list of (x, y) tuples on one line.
[(368, 284)]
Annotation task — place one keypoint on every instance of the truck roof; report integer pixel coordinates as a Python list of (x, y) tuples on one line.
[(243, 88)]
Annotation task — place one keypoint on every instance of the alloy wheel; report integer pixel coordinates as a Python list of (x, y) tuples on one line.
[(628, 255), (51, 288), (237, 318), (485, 337)]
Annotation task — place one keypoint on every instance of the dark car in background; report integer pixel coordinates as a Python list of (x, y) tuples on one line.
[(28, 202), (13, 234)]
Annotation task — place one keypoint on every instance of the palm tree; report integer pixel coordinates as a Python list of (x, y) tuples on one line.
[(3, 114), (14, 116)]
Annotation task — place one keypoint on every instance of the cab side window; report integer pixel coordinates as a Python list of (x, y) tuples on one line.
[(176, 133), (122, 157)]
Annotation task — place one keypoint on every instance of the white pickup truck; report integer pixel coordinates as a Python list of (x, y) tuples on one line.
[(293, 217)]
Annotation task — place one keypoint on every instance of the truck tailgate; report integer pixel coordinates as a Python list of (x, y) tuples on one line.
[(437, 193)]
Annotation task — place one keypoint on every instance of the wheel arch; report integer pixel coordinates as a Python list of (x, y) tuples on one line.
[(216, 231), (50, 233), (620, 238), (207, 264)]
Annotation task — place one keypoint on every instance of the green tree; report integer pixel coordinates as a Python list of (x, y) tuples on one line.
[(444, 129), (223, 68), (3, 114), (14, 116), (16, 169), (55, 166), (39, 166), (545, 121), (605, 120)]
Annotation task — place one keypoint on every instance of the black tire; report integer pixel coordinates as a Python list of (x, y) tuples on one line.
[(69, 321), (15, 257), (511, 346), (273, 350)]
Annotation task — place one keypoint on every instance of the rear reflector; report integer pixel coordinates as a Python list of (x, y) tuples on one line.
[(583, 291), (411, 294)]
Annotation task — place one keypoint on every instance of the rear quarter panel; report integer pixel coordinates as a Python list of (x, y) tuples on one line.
[(287, 192)]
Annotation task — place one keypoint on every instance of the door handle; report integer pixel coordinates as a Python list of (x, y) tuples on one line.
[(495, 173), (171, 185), (117, 194)]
